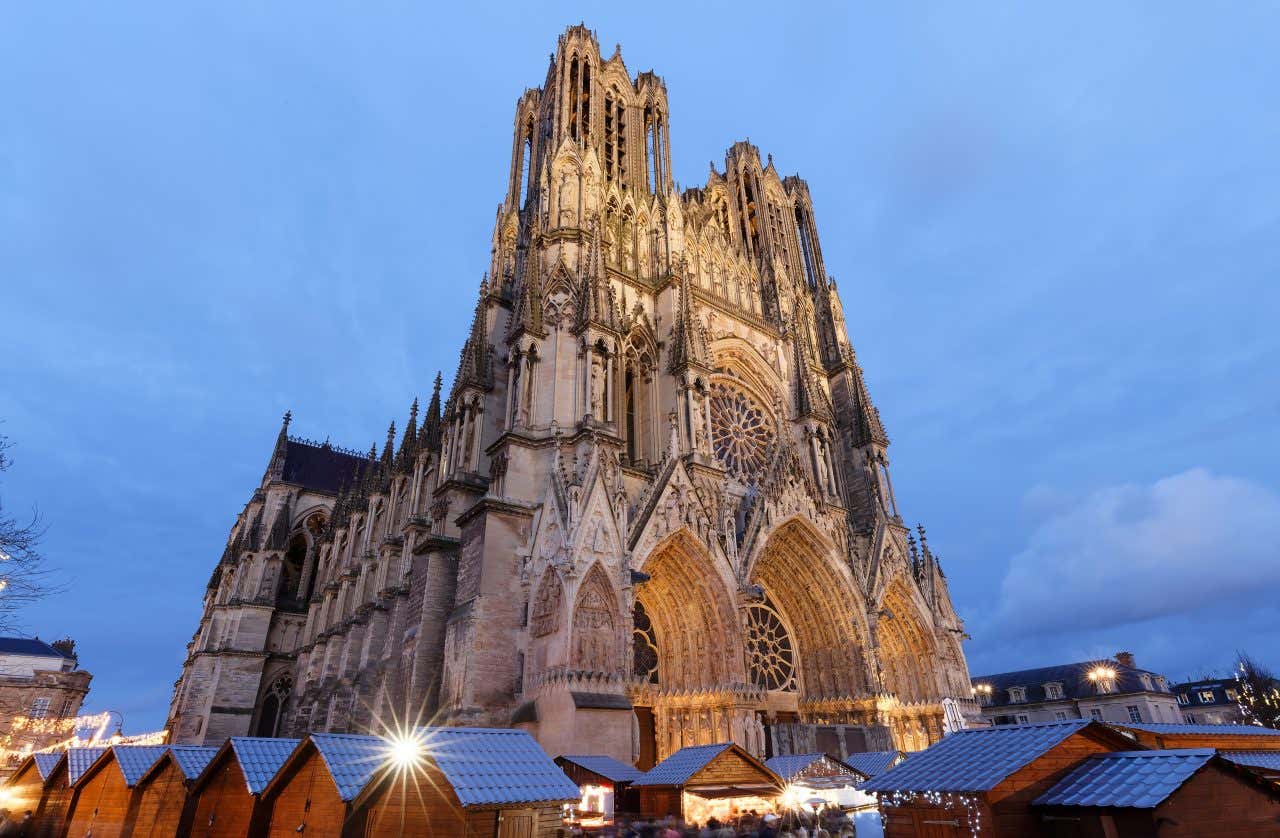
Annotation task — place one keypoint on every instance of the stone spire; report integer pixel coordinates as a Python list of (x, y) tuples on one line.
[(527, 317), (867, 427), (279, 535), (811, 399), (275, 469), (596, 305), (430, 435), (688, 340), (473, 364), (409, 443)]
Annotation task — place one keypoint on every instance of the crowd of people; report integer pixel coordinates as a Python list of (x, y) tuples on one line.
[(828, 824)]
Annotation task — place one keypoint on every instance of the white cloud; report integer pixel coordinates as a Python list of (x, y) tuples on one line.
[(1190, 542)]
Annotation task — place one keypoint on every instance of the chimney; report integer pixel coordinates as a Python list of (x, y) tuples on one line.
[(1125, 659)]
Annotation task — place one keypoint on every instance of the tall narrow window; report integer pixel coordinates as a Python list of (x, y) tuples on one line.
[(573, 95), (610, 137), (629, 398), (584, 101), (806, 247), (526, 164), (650, 147)]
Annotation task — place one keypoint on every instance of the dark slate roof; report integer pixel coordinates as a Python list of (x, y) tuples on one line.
[(1074, 678), (351, 759), (676, 769), (1269, 760), (496, 766), (789, 765), (134, 760), (974, 760), (192, 759), (1216, 686), (45, 763), (1133, 779), (322, 467), (611, 769), (32, 646), (79, 760), (873, 763), (1200, 730), (260, 758)]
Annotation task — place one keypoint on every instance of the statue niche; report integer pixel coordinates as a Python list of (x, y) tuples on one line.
[(594, 625)]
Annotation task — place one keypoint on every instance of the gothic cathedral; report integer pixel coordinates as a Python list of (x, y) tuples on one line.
[(653, 510)]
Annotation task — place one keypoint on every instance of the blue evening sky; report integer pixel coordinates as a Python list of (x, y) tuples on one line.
[(1056, 230)]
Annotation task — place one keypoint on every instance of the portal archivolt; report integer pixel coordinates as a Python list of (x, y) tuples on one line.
[(821, 606)]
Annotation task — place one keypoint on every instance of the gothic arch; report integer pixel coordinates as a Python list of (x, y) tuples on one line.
[(596, 619), (739, 359), (808, 584), (690, 602), (272, 704), (907, 646)]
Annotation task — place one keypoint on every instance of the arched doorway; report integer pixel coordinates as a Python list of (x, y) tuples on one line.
[(821, 607)]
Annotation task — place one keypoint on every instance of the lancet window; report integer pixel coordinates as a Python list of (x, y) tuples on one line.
[(644, 646)]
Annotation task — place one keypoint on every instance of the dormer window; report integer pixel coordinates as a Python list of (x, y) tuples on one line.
[(1017, 695), (1206, 696), (1146, 681), (1053, 691), (1232, 695), (1183, 700)]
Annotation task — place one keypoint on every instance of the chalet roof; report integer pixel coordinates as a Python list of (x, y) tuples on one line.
[(45, 763), (611, 769), (488, 766), (192, 759), (1074, 678), (352, 760), (1133, 779), (32, 646), (789, 765), (134, 760), (260, 758), (676, 769), (1267, 760), (79, 760), (323, 467), (1200, 730), (873, 763), (979, 759)]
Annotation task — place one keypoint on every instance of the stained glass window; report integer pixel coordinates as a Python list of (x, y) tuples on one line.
[(741, 432), (771, 659), (644, 647)]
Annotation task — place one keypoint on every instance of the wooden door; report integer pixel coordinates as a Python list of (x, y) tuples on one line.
[(517, 823), (648, 738)]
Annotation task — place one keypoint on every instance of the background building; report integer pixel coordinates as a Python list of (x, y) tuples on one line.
[(41, 691), (1099, 690), (1209, 701), (654, 510)]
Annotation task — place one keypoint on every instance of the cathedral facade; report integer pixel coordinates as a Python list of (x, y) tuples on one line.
[(654, 509)]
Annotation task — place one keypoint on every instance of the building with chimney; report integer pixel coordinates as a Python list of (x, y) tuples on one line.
[(41, 691), (1098, 690), (653, 509)]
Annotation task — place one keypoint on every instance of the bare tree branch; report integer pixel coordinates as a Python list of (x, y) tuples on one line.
[(25, 577)]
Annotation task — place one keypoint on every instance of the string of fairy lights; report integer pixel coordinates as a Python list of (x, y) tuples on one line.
[(27, 735), (950, 801)]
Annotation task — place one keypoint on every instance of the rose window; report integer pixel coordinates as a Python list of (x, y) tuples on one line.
[(741, 432), (771, 660)]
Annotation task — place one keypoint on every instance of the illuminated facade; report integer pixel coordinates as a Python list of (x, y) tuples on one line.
[(653, 510)]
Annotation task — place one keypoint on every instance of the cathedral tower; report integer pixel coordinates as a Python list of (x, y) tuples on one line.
[(654, 508)]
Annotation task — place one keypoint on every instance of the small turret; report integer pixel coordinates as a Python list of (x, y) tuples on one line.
[(275, 469)]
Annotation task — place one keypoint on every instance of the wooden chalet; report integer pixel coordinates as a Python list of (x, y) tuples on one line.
[(51, 820), (103, 796), (1221, 737), (473, 782), (813, 777), (226, 799), (1184, 793), (983, 781), (162, 805), (24, 790), (313, 791), (604, 787), (702, 781)]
